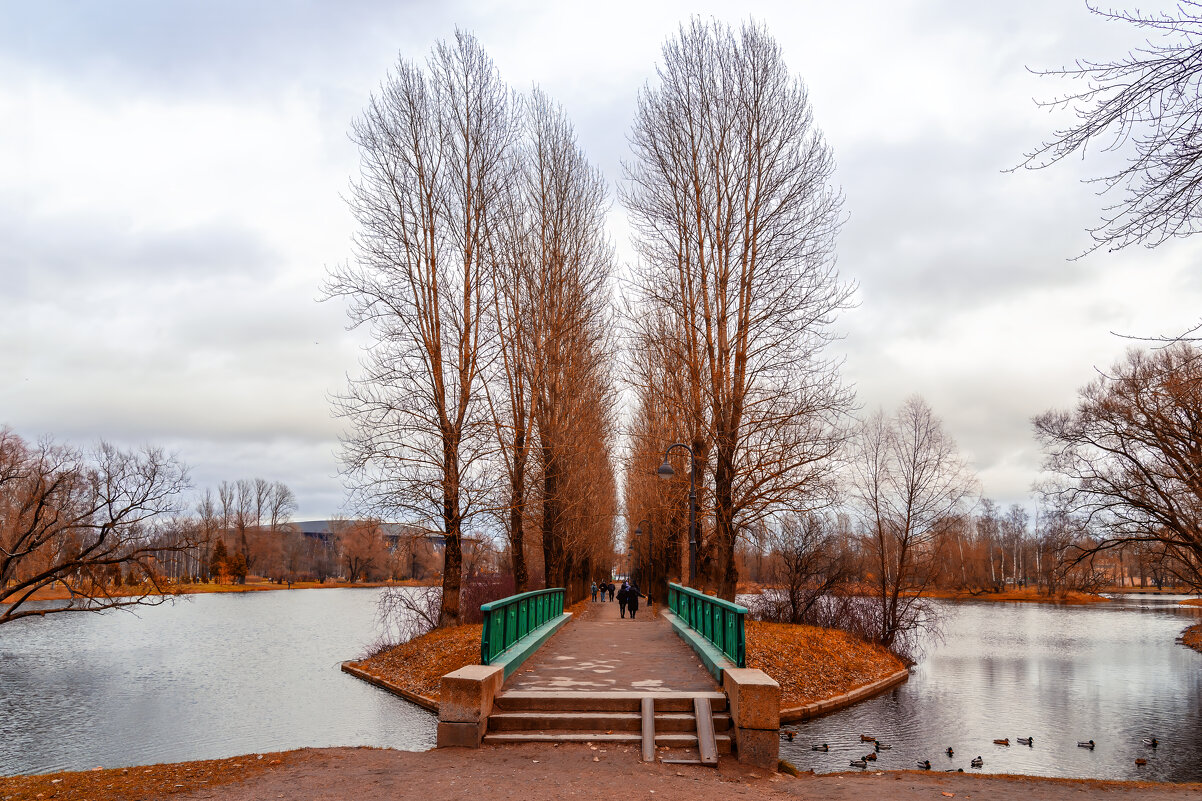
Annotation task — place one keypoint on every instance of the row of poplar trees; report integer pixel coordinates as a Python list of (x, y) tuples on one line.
[(730, 196), (482, 275)]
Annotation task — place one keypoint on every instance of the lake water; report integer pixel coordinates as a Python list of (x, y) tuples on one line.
[(209, 676), (220, 675), (1112, 673)]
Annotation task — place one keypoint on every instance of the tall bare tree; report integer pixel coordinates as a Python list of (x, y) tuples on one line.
[(435, 148), (1148, 104), (1128, 459), (729, 194), (72, 518), (910, 482)]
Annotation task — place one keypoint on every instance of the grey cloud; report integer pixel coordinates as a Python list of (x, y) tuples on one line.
[(66, 255)]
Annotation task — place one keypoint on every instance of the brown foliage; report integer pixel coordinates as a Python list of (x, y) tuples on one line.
[(811, 664), (419, 665), (143, 781), (1193, 637)]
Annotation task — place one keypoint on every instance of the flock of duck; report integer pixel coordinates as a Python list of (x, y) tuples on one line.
[(975, 762)]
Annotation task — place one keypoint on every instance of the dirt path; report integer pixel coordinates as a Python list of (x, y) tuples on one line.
[(548, 773)]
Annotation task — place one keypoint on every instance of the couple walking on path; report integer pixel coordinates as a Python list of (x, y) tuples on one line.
[(628, 596)]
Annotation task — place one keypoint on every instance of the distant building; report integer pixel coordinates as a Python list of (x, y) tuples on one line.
[(394, 533)]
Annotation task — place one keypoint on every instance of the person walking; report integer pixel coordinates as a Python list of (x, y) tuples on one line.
[(594, 592), (623, 594), (611, 590), (632, 600)]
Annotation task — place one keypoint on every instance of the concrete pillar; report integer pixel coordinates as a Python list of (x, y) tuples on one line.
[(754, 698), (465, 702)]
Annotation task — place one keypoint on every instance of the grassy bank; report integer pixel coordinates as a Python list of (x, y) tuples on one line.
[(143, 781), (813, 664), (418, 666), (1021, 595), (57, 592), (1193, 637), (809, 663)]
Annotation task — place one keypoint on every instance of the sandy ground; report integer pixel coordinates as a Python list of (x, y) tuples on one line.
[(542, 772)]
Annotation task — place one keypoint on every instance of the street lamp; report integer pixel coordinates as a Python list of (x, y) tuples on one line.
[(638, 533), (666, 472)]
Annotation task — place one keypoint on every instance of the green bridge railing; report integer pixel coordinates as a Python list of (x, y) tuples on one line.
[(719, 621), (510, 619)]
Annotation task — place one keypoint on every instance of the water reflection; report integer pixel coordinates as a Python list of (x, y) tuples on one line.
[(209, 677), (1112, 673)]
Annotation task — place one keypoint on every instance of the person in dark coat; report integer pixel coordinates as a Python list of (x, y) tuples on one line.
[(623, 594), (632, 599), (611, 590)]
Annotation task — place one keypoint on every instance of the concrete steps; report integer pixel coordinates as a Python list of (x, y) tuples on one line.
[(598, 721), (675, 740), (529, 701), (617, 718)]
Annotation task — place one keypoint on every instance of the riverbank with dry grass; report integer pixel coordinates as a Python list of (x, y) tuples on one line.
[(1192, 637), (57, 592), (1030, 595), (540, 772), (813, 664), (809, 663)]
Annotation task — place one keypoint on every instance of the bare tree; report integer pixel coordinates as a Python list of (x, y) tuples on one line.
[(73, 518), (1127, 459), (1148, 103), (808, 563), (735, 222), (435, 146), (910, 482), (362, 548)]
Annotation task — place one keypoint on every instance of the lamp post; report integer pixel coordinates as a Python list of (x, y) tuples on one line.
[(666, 472), (638, 533)]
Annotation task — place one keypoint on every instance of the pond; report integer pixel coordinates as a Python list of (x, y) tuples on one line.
[(1109, 672), (219, 675), (209, 676)]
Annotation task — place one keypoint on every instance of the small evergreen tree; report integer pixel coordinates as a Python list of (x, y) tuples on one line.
[(237, 567), (217, 562)]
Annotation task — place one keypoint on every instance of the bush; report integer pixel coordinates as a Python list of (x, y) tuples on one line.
[(479, 589)]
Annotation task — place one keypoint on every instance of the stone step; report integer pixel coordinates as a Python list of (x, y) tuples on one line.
[(580, 701), (673, 740), (598, 721)]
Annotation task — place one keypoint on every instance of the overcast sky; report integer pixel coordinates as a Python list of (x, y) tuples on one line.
[(172, 173)]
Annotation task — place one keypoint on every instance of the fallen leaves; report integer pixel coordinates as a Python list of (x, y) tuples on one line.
[(1193, 637), (419, 665), (812, 664), (119, 784)]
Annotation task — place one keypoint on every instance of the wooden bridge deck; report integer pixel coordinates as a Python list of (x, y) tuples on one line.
[(599, 652)]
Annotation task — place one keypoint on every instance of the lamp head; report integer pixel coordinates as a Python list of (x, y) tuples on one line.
[(638, 530), (665, 470)]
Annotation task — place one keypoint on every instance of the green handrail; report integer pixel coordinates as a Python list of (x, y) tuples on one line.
[(719, 621), (510, 619)]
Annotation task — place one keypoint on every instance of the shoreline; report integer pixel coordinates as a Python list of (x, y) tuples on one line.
[(57, 593), (825, 706), (537, 772), (1192, 637)]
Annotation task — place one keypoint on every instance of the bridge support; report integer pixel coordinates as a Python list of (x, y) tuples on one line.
[(466, 700), (754, 698)]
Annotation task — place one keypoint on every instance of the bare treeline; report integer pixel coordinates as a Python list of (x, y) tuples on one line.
[(729, 194), (83, 520), (482, 273)]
